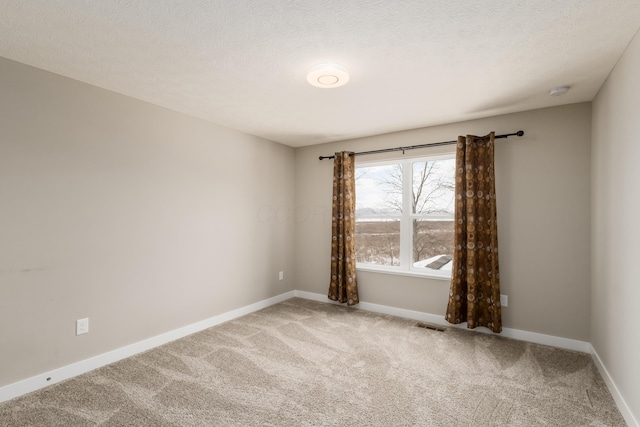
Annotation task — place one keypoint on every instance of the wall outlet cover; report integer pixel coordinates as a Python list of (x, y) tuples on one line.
[(504, 300), (82, 326)]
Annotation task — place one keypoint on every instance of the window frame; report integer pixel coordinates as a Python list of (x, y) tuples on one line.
[(406, 218)]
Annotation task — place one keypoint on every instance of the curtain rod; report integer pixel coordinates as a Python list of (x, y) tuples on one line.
[(413, 147)]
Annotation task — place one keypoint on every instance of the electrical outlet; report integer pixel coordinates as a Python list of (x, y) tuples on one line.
[(281, 275), (82, 326), (504, 300)]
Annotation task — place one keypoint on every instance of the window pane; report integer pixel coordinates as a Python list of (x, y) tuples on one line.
[(378, 241), (379, 190), (432, 244), (433, 186)]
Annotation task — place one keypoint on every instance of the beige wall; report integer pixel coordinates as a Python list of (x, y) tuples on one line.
[(117, 210), (140, 218), (615, 227), (543, 220)]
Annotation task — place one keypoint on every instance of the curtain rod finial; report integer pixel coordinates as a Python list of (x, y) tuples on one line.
[(520, 133)]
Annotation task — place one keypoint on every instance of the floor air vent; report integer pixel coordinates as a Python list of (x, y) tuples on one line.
[(428, 326)]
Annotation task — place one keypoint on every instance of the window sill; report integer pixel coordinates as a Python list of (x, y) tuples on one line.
[(409, 273)]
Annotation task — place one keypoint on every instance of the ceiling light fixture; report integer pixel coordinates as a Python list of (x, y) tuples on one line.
[(328, 75), (560, 90)]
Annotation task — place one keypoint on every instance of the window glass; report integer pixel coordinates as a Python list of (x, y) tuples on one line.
[(404, 215), (378, 190), (433, 186), (431, 238), (378, 241)]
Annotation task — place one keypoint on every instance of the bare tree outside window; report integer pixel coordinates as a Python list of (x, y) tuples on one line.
[(432, 194)]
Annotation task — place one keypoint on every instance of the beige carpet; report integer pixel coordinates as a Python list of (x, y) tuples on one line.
[(304, 363)]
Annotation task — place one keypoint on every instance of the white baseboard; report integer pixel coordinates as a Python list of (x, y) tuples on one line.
[(565, 343), (45, 379), (37, 382), (613, 389)]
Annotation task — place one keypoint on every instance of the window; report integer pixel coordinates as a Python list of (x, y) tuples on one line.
[(404, 216)]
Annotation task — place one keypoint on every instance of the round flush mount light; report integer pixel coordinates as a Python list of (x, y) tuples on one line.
[(560, 90), (328, 75)]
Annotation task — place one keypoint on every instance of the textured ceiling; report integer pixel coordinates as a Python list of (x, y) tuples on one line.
[(243, 63)]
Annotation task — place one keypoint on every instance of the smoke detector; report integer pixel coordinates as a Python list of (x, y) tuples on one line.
[(328, 75), (560, 90)]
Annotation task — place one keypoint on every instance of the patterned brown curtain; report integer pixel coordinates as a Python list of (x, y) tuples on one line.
[(343, 287), (475, 280)]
